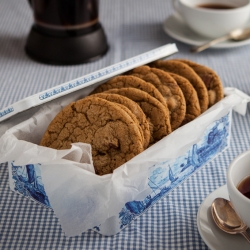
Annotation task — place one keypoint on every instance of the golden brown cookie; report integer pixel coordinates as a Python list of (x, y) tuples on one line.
[(134, 108), (193, 109), (211, 80), (168, 88), (184, 70), (156, 113), (130, 113), (113, 135), (130, 82)]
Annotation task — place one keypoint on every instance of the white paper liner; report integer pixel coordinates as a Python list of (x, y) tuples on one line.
[(80, 198)]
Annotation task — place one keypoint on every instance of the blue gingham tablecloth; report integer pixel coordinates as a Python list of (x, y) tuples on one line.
[(132, 27)]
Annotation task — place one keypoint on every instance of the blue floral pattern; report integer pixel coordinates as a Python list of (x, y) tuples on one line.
[(167, 175), (28, 182)]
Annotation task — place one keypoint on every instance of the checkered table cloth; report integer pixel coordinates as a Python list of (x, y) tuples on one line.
[(132, 27)]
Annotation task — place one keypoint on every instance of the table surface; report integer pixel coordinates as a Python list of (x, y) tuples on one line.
[(132, 27)]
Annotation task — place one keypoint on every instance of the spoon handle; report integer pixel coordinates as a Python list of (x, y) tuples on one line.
[(210, 43), (246, 235)]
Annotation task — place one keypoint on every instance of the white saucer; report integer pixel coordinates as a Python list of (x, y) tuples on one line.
[(175, 27), (214, 238)]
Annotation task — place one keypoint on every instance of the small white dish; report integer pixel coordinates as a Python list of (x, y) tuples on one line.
[(214, 238), (175, 27)]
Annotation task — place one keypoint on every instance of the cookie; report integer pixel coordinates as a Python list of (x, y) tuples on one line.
[(156, 113), (113, 135), (134, 108), (169, 89), (184, 70), (130, 82), (211, 80), (130, 113), (193, 109)]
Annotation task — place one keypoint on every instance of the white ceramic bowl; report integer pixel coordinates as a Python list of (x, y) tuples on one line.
[(237, 171), (213, 23)]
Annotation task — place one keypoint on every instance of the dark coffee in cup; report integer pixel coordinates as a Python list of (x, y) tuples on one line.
[(215, 6), (244, 187), (65, 14)]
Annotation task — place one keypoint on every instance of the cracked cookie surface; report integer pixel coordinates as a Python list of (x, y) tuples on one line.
[(170, 90), (134, 108), (211, 80), (186, 71), (156, 113), (112, 133), (193, 109), (126, 81)]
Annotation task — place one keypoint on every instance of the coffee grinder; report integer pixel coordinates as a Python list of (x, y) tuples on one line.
[(66, 32)]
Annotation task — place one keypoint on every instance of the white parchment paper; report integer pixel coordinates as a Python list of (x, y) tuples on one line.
[(80, 198)]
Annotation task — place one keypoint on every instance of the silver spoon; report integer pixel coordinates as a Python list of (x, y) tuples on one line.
[(226, 218), (236, 35)]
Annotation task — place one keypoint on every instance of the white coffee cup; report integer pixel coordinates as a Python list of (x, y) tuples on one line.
[(213, 23), (237, 171)]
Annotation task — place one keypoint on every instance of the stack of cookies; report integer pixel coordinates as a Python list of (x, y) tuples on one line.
[(127, 114)]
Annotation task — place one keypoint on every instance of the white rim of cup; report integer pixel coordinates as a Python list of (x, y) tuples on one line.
[(229, 177), (217, 10)]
